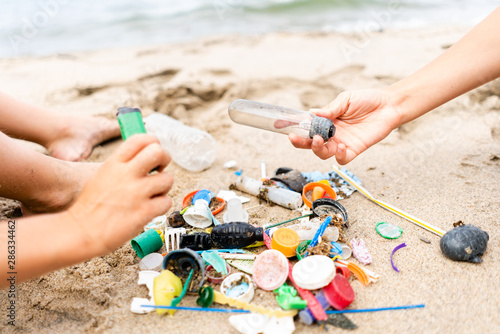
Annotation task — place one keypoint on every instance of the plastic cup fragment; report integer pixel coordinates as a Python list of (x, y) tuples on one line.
[(238, 286), (152, 262)]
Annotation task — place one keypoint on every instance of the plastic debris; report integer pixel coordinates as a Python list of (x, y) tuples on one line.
[(286, 241), (220, 298), (319, 233), (306, 316), (308, 190), (427, 241), (158, 223), (378, 309), (263, 171), (181, 261), (270, 270), (199, 215), (238, 286), (306, 230), (230, 164), (205, 296), (173, 237), (329, 206), (216, 261), (147, 242), (346, 252), (339, 293), (262, 324), (245, 266), (284, 197), (341, 321), (146, 278), (388, 231), (166, 286), (177, 300), (287, 298), (235, 212), (313, 272), (344, 271), (465, 243), (290, 178), (343, 191), (360, 251), (152, 262), (215, 277), (196, 241), (394, 251)]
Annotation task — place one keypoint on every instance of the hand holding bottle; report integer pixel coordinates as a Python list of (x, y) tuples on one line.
[(362, 118)]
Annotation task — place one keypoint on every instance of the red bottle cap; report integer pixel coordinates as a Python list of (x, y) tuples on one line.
[(339, 293)]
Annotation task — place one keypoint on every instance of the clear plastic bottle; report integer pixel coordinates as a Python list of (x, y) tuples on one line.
[(280, 119), (192, 149)]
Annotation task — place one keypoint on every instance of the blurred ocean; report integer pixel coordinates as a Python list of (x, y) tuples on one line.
[(41, 27)]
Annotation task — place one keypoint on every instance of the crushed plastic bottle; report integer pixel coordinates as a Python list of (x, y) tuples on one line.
[(190, 148)]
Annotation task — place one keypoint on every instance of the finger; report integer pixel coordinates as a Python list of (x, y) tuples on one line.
[(150, 157), (335, 108), (134, 145), (299, 142), (159, 184), (159, 205), (344, 155), (322, 150)]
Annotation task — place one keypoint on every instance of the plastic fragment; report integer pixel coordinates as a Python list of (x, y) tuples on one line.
[(216, 261), (238, 286), (319, 233), (360, 251), (341, 321), (394, 251), (229, 194), (359, 273), (314, 272), (205, 296), (388, 231), (152, 262), (270, 270), (306, 316), (177, 300), (427, 241), (259, 323), (230, 164), (146, 278), (339, 293), (287, 298)]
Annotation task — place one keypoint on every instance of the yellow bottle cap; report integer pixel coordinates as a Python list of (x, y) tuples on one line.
[(286, 241)]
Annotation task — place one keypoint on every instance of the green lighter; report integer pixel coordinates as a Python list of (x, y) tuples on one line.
[(130, 120)]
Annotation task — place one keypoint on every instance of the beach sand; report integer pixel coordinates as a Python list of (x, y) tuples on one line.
[(442, 168)]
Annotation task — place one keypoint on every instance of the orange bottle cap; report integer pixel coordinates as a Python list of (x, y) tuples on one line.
[(310, 188), (286, 241)]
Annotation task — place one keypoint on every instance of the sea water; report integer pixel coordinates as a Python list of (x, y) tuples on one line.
[(42, 27)]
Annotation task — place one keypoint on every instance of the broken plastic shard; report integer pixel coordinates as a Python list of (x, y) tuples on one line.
[(341, 321), (147, 278), (388, 231)]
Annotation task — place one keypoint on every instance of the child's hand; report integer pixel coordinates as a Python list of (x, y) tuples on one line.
[(362, 118), (122, 197)]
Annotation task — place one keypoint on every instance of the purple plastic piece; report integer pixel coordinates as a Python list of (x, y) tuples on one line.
[(306, 315), (394, 251)]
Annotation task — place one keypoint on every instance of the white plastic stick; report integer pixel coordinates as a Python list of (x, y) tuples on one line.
[(401, 213)]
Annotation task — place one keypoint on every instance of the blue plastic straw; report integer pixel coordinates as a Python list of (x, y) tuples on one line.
[(319, 233), (221, 310), (363, 310), (198, 309)]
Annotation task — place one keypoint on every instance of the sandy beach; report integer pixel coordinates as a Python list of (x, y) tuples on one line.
[(442, 168)]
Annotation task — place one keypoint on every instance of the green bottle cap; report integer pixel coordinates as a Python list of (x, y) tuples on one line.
[(388, 231)]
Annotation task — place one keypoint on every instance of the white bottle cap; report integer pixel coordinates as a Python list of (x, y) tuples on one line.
[(314, 272), (235, 212)]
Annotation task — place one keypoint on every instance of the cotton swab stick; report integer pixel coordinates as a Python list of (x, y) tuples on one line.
[(401, 213)]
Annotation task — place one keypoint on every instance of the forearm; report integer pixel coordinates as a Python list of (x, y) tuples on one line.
[(471, 62), (45, 243), (24, 121)]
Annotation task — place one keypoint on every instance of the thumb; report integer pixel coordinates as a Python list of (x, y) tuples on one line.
[(336, 108)]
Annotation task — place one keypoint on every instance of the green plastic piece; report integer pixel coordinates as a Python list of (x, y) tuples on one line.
[(177, 300), (147, 243), (206, 296), (388, 231), (287, 298), (218, 263), (130, 120), (301, 249)]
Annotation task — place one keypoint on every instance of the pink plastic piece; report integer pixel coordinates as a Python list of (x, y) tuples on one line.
[(360, 251), (270, 270)]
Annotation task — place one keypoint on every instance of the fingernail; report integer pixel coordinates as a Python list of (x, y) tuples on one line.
[(315, 142), (339, 149)]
